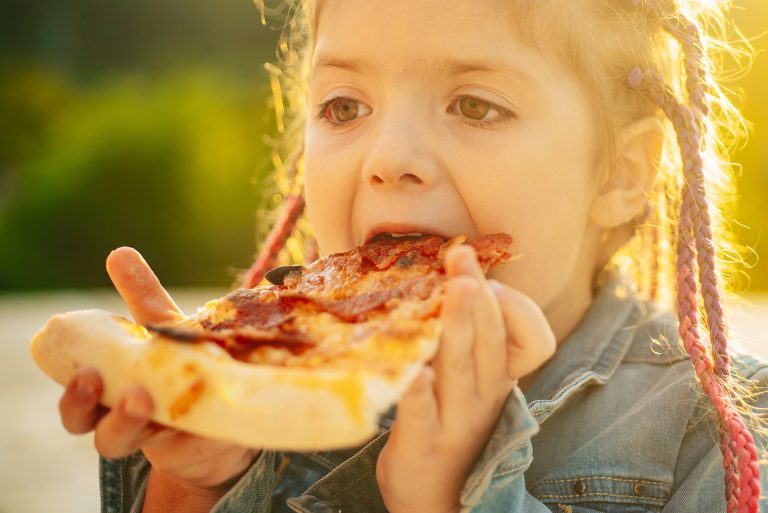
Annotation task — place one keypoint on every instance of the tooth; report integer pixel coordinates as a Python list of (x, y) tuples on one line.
[(412, 234)]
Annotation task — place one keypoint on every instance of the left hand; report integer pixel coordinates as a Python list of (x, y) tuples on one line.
[(492, 335)]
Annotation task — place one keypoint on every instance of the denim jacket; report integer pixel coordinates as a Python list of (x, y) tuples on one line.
[(615, 421)]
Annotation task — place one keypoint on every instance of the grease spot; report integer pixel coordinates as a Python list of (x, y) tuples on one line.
[(186, 400)]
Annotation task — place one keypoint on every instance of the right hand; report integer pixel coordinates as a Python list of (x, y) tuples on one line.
[(190, 461)]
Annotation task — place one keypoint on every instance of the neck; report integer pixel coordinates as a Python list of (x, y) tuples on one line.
[(566, 313), (563, 316)]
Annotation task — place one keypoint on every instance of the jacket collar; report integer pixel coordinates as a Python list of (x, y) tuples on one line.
[(592, 352)]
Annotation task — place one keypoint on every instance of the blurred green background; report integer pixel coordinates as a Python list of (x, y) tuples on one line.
[(146, 123)]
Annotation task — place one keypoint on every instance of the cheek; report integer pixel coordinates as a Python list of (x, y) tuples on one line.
[(329, 189), (549, 251), (541, 197), (531, 185)]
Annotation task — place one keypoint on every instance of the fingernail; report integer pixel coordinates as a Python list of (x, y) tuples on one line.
[(84, 389), (135, 408), (495, 286)]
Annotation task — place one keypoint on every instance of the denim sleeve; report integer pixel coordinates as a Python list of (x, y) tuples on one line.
[(497, 482), (124, 483), (495, 485)]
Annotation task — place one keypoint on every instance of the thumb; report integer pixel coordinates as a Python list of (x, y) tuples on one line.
[(137, 284)]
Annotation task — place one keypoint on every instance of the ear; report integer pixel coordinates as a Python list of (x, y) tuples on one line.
[(625, 192)]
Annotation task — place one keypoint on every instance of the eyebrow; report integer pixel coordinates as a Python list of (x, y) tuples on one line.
[(450, 67)]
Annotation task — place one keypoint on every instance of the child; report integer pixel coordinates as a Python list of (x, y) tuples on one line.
[(543, 120)]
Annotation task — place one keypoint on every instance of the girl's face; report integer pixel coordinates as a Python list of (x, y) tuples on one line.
[(433, 116)]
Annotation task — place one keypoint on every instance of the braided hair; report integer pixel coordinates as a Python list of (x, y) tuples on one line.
[(695, 249), (674, 252)]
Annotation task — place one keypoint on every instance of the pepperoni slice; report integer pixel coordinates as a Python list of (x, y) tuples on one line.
[(383, 252), (350, 286)]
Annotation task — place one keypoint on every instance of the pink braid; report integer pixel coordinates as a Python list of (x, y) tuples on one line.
[(267, 259), (688, 35), (742, 475), (286, 222), (741, 469)]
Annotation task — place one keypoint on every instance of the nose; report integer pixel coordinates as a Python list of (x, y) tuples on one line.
[(400, 156)]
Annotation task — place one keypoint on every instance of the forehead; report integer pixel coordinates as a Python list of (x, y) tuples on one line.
[(457, 11), (416, 33)]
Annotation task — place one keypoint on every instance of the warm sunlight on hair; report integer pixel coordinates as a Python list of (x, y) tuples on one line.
[(602, 66)]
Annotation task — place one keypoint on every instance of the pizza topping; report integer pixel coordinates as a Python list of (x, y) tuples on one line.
[(383, 251), (323, 309), (135, 330), (177, 332), (263, 315), (241, 346), (278, 275), (226, 335), (352, 308), (186, 400), (493, 250)]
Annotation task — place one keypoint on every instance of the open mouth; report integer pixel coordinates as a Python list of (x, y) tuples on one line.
[(393, 236)]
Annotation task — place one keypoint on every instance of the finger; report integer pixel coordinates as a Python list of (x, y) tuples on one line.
[(454, 361), (531, 341), (417, 414), (137, 284), (490, 332), (124, 429), (156, 434), (79, 405)]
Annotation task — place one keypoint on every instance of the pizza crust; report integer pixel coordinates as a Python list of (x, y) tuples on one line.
[(201, 389)]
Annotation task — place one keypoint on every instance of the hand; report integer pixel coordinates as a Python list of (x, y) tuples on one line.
[(195, 464), (492, 335)]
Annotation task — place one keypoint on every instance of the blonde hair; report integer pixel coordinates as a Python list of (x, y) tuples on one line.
[(639, 58), (626, 37)]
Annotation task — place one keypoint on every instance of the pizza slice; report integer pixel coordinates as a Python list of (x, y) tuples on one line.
[(307, 363)]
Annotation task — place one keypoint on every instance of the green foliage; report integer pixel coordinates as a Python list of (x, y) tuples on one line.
[(167, 165)]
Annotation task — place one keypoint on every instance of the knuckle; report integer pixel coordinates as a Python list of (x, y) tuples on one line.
[(460, 287), (459, 365), (115, 434), (463, 286)]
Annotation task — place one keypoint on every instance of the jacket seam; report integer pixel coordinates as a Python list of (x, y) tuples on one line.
[(617, 495), (654, 361), (604, 478), (506, 472)]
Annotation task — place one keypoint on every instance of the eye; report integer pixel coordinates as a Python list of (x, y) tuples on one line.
[(340, 110), (474, 108), (479, 112)]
